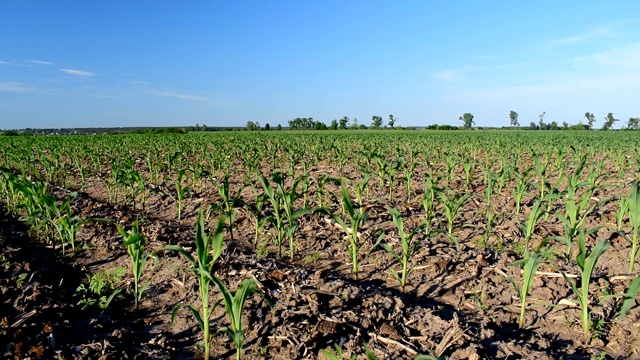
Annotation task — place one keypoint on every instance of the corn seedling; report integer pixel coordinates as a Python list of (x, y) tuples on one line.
[(452, 205), (208, 249), (259, 218), (356, 221), (234, 305), (181, 192), (68, 225), (360, 187), (629, 297), (135, 243), (409, 169), (575, 215), (634, 217), (289, 198), (529, 227), (229, 202), (429, 203), (409, 248), (621, 211), (521, 188), (586, 265), (277, 219), (529, 264)]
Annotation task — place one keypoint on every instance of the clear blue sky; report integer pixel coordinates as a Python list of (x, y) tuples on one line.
[(223, 63)]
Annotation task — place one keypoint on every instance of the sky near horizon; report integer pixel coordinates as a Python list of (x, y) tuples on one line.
[(223, 63)]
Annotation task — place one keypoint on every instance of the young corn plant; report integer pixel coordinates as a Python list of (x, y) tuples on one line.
[(208, 250), (634, 217), (621, 211), (181, 192), (586, 265), (409, 169), (277, 218), (450, 160), (234, 305), (229, 202), (541, 169), (467, 166), (259, 218), (503, 177), (285, 216), (575, 215), (529, 264), (135, 243), (323, 180), (357, 219), (360, 187), (288, 198), (489, 209), (521, 188), (409, 248), (429, 204), (452, 205), (68, 224), (527, 228)]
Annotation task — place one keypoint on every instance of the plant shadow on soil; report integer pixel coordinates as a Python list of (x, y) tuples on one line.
[(40, 318), (504, 333)]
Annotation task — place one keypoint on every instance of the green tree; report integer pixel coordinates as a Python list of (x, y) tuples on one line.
[(467, 120), (554, 126), (392, 121), (302, 124), (565, 125), (253, 126), (279, 127), (609, 121), (533, 126), (541, 123), (334, 124), (267, 126), (513, 118), (376, 122), (591, 119), (343, 123), (633, 124)]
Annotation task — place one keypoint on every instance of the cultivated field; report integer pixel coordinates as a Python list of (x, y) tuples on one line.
[(331, 244)]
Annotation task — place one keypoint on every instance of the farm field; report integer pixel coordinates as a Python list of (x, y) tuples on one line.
[(374, 244)]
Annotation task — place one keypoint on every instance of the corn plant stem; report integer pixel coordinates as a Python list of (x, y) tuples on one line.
[(204, 295)]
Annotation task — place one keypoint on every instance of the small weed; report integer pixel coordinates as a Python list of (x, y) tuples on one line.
[(478, 298), (261, 251), (102, 289), (312, 259), (4, 262), (598, 328), (518, 247), (331, 354), (21, 278)]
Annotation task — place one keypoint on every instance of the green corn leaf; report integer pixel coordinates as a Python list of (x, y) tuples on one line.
[(629, 297)]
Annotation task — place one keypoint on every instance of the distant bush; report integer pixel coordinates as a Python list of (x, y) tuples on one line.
[(441, 127), (9, 133)]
